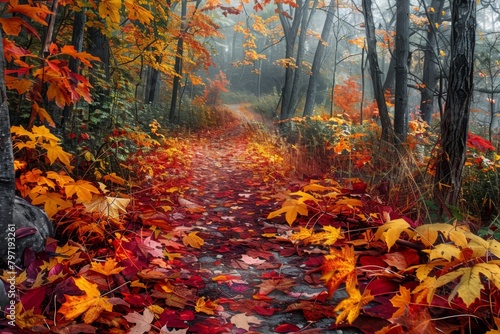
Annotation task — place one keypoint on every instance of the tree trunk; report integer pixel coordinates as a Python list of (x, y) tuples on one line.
[(402, 51), (430, 72), (312, 88), (7, 177), (99, 47), (390, 78), (151, 83), (178, 65), (77, 42), (290, 31), (378, 91), (299, 70), (455, 122)]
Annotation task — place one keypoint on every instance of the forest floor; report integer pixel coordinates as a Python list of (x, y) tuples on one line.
[(262, 284)]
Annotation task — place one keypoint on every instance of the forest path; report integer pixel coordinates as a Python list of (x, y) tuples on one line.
[(261, 284)]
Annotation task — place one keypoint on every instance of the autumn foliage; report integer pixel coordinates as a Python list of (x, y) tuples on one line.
[(222, 230)]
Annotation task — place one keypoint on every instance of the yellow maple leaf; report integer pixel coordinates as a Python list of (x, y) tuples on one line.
[(426, 289), (328, 237), (291, 208), (339, 267), (44, 134), (107, 206), (470, 285), (91, 303), (110, 9), (320, 188), (172, 256), (391, 231), (444, 251), (136, 12), (193, 240), (402, 301), (482, 247), (107, 268), (428, 233), (351, 307), (206, 306), (303, 233), (304, 196), (83, 190)]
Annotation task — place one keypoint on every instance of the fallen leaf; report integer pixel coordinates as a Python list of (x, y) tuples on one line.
[(107, 268), (243, 321), (190, 206), (107, 206), (91, 303), (391, 231), (339, 267), (142, 321), (164, 330), (402, 301), (351, 307), (193, 240), (206, 306), (250, 260)]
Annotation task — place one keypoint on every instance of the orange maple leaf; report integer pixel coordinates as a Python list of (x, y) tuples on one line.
[(114, 178), (56, 152), (52, 202), (107, 268), (37, 13), (401, 301), (193, 240), (339, 267), (84, 57), (43, 114), (83, 190), (91, 303)]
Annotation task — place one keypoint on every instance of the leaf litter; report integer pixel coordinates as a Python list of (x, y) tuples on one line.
[(222, 241)]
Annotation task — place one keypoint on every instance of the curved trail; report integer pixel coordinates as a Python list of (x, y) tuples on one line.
[(258, 279)]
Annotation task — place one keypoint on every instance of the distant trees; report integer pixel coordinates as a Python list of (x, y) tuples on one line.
[(312, 87), (295, 33), (431, 70)]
